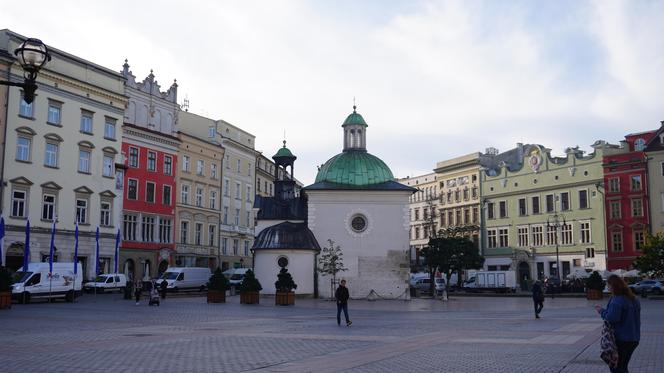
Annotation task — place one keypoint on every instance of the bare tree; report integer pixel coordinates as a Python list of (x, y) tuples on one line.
[(330, 262)]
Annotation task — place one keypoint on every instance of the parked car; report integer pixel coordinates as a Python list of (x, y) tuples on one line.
[(237, 276), (107, 282), (440, 285), (648, 286), (423, 285)]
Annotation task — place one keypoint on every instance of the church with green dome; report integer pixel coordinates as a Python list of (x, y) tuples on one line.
[(355, 202)]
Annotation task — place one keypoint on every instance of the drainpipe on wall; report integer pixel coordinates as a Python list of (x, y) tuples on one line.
[(4, 145)]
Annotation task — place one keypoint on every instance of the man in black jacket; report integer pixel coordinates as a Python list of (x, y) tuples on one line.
[(342, 302), (538, 298)]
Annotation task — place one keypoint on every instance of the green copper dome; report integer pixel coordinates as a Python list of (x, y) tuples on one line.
[(355, 118), (356, 168), (284, 152)]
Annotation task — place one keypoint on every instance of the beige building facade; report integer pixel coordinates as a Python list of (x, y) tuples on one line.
[(423, 207), (655, 155)]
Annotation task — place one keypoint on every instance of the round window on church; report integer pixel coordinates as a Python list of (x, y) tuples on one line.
[(282, 262), (358, 223)]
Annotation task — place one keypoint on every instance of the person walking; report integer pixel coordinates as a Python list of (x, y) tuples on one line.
[(163, 286), (538, 298), (342, 296), (623, 312), (137, 292)]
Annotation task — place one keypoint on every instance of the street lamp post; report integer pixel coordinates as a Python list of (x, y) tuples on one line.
[(557, 221), (31, 55)]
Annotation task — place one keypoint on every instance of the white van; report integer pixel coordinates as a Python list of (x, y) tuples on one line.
[(107, 282), (35, 283), (186, 278), (237, 276)]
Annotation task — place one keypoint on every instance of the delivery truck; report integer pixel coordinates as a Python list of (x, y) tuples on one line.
[(38, 283), (497, 281)]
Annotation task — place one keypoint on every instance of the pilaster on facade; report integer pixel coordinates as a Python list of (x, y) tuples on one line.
[(59, 158), (537, 207)]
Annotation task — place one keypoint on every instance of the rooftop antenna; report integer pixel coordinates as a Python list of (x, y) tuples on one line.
[(185, 104), (354, 104), (284, 138)]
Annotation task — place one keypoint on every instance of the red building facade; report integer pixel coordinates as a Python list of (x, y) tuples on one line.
[(626, 201)]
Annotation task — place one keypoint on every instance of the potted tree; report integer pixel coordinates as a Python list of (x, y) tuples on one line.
[(285, 295), (6, 282), (217, 286), (250, 288), (594, 286)]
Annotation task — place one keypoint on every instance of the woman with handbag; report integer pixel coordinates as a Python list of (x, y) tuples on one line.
[(538, 298), (623, 313)]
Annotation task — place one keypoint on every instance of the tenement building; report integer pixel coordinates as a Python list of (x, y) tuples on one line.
[(655, 155), (59, 159), (423, 211), (149, 148), (540, 210)]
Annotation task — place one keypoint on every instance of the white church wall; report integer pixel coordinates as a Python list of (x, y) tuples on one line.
[(300, 266), (376, 258)]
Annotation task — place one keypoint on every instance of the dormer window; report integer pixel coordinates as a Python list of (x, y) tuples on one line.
[(639, 144)]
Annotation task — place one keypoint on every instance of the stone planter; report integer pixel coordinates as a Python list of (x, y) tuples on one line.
[(284, 299), (216, 296), (5, 300), (249, 297), (592, 294)]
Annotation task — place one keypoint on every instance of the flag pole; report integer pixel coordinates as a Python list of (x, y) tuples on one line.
[(96, 261), (50, 261)]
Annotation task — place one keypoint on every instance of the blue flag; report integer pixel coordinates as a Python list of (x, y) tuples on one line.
[(26, 247), (52, 250), (97, 253), (117, 250), (2, 237), (76, 249)]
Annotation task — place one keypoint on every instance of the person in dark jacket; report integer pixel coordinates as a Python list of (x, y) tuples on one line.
[(163, 287), (342, 295), (538, 298), (623, 312), (138, 288)]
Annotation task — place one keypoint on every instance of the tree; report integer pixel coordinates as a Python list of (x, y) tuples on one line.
[(652, 259), (451, 254), (285, 283), (330, 262)]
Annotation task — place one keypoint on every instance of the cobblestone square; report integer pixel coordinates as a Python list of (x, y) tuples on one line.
[(465, 334)]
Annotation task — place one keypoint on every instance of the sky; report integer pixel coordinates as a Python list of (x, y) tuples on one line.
[(433, 79)]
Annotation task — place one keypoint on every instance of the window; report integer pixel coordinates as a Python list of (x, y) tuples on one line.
[(25, 109), (466, 216), (502, 209), (165, 230), (184, 231), (417, 214), (491, 238), (213, 170), (225, 217), (475, 214), (249, 219), (107, 169), (249, 196), (236, 243), (213, 199), (258, 186), (109, 128), (417, 233), (474, 192), (637, 207), (489, 210), (149, 192), (210, 131), (237, 216), (635, 183), (538, 235), (458, 216), (590, 253), (551, 235), (238, 166), (198, 233), (184, 194), (129, 227), (19, 199), (48, 207), (54, 112), (152, 161), (583, 199), (166, 196), (248, 172), (457, 196), (132, 189), (227, 192), (133, 157), (147, 229), (503, 237), (238, 188), (81, 211), (199, 197), (246, 248), (549, 203), (564, 201), (168, 165), (614, 209), (466, 194), (84, 161), (105, 217), (566, 237), (23, 149), (522, 207), (522, 235), (185, 163), (200, 166), (535, 205), (584, 230), (86, 121), (224, 245), (614, 185), (51, 155), (210, 235), (616, 241)]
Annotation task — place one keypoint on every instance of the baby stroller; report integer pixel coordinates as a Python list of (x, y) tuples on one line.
[(154, 297)]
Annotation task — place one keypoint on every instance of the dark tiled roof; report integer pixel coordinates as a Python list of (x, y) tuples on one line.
[(275, 208), (286, 235)]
